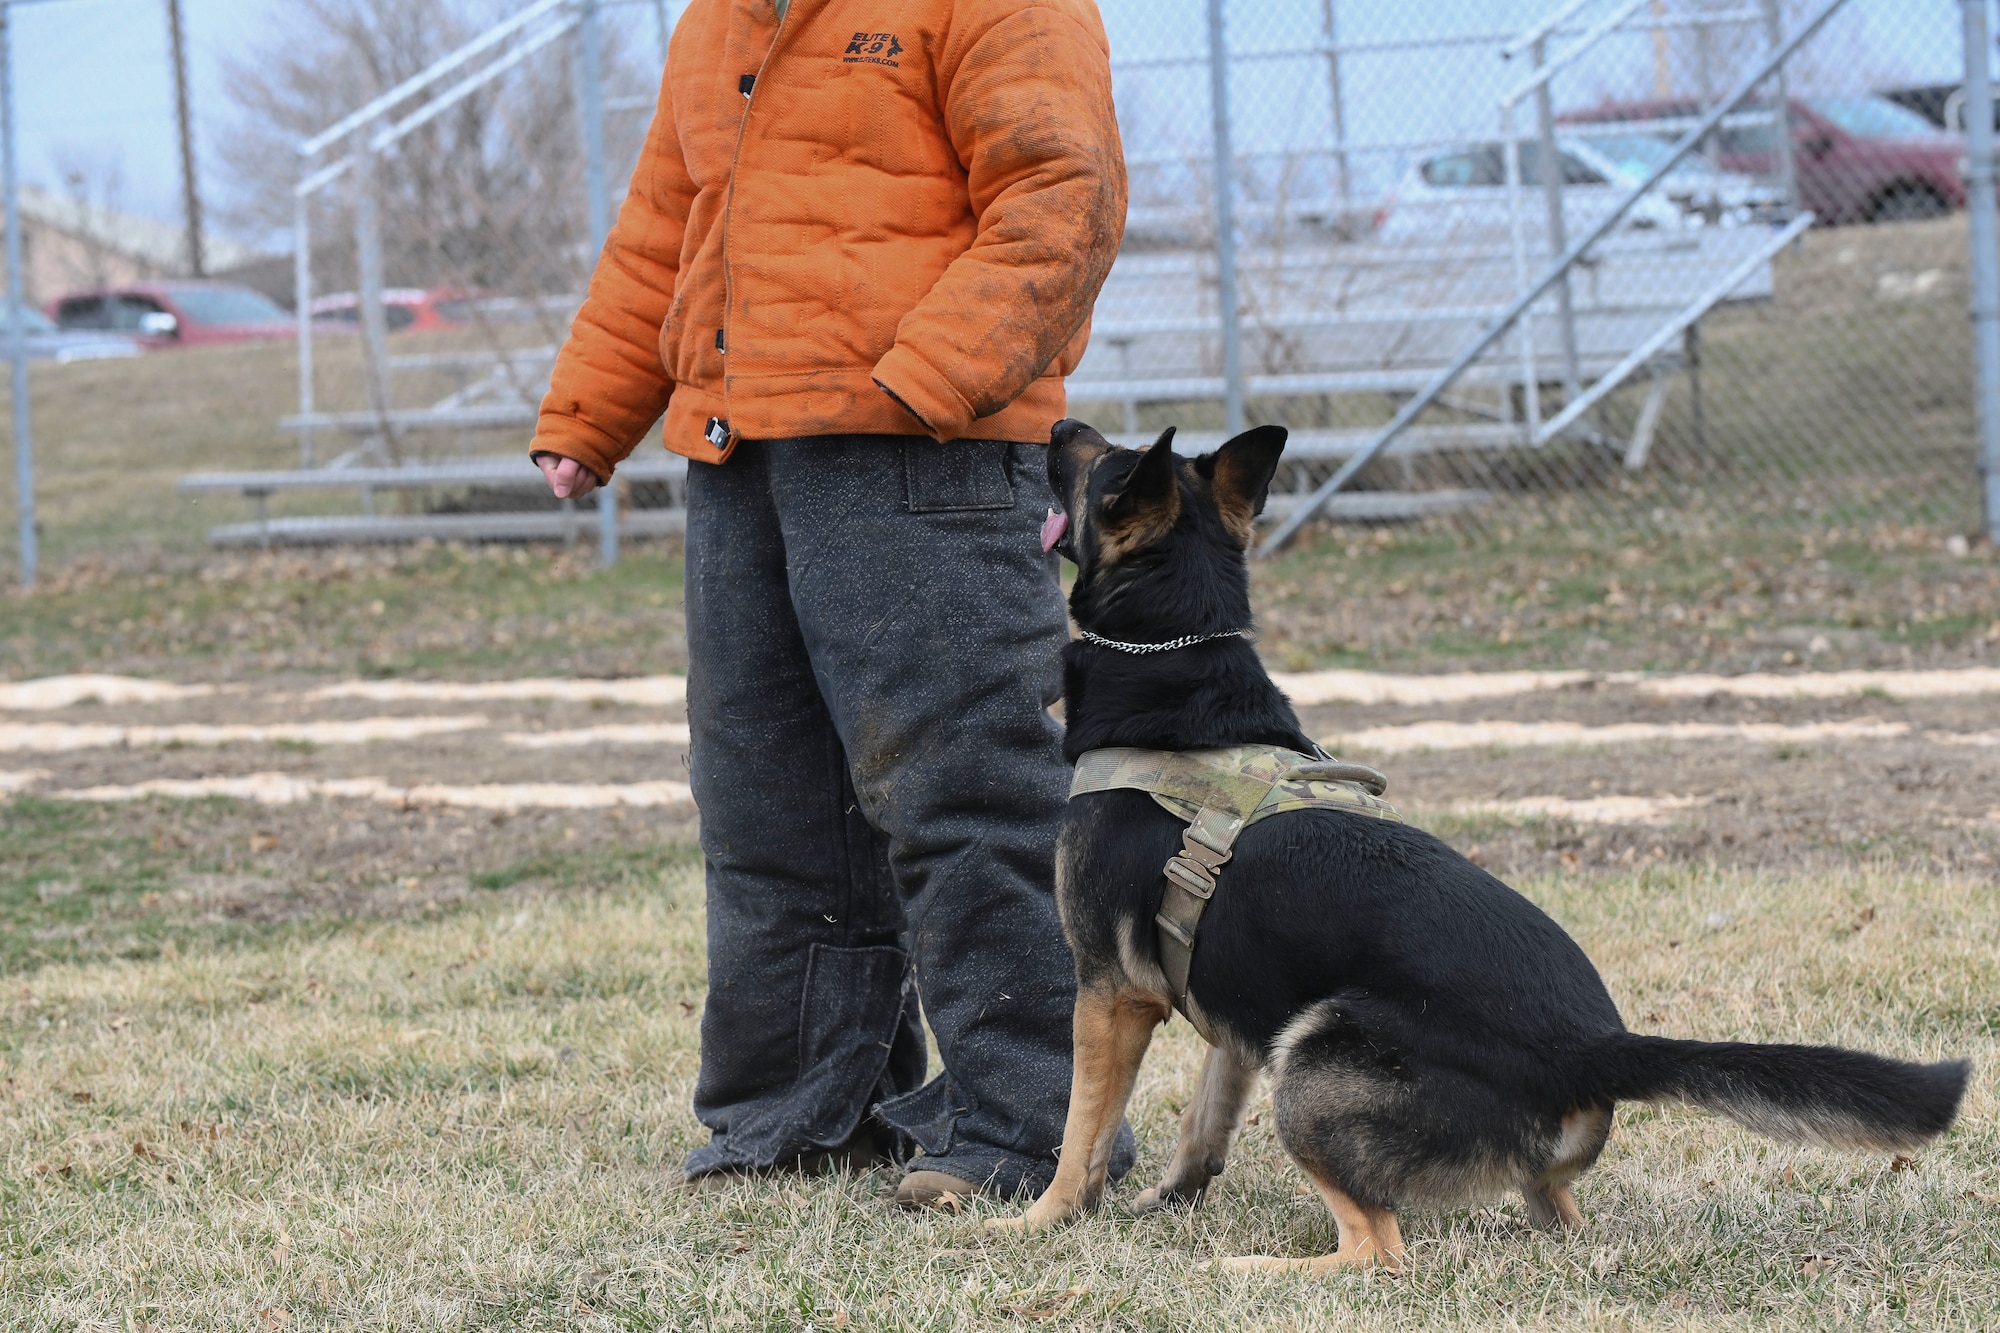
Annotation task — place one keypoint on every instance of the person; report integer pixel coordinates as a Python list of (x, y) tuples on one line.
[(856, 262)]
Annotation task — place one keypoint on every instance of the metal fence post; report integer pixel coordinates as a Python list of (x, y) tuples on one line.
[(1225, 222), (1517, 243), (368, 254), (1985, 240), (302, 297), (1552, 196), (1343, 174), (1774, 37), (17, 352), (597, 185)]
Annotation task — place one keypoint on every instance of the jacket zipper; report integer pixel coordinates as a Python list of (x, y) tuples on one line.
[(723, 340)]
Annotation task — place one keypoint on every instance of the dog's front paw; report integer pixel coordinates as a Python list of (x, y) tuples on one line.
[(1045, 1215), (1165, 1198), (1005, 1224)]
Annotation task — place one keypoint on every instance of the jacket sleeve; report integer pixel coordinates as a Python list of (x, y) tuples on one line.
[(1028, 105), (609, 385)]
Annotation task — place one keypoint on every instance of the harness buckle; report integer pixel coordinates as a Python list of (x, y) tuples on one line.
[(1194, 845), (1196, 879), (1194, 867)]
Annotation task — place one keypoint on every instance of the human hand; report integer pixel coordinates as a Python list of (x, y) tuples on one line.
[(569, 479)]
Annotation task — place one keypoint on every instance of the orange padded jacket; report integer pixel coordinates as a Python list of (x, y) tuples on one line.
[(922, 196)]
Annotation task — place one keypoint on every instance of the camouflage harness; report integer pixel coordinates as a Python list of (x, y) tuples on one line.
[(1220, 793)]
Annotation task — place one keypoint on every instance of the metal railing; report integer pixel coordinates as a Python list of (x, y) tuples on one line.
[(1550, 277), (362, 136), (1246, 332)]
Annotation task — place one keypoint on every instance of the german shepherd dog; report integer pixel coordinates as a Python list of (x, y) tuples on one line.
[(1430, 1035)]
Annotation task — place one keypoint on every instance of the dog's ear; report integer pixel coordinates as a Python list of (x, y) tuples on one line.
[(1149, 483), (1144, 508), (1240, 474)]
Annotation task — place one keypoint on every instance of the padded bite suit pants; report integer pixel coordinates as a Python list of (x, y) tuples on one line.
[(874, 638)]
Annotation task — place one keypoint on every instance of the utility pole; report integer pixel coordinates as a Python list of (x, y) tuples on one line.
[(197, 260)]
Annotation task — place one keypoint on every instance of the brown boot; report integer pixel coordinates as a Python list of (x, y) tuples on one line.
[(934, 1189)]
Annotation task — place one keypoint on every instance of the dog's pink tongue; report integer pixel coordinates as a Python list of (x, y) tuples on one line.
[(1053, 528)]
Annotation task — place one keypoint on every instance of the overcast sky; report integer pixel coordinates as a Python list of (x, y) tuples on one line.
[(94, 85)]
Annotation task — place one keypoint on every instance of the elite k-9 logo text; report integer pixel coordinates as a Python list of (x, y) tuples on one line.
[(874, 48)]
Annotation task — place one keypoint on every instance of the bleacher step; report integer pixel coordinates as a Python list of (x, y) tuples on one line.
[(579, 525)]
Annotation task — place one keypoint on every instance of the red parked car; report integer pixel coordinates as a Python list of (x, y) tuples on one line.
[(1856, 159), (186, 313), (403, 308)]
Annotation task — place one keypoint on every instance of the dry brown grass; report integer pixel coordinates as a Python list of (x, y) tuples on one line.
[(474, 1122), (114, 438)]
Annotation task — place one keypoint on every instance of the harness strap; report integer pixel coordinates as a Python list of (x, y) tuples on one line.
[(1220, 793), (1206, 846)]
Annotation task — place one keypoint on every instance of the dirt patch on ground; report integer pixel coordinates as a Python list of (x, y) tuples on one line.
[(1912, 794), (1908, 799), (1819, 809), (231, 861)]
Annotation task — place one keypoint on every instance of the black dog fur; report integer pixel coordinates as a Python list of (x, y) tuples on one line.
[(1432, 1036)]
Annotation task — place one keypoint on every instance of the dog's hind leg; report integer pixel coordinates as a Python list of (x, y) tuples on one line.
[(1550, 1203), (1347, 1110), (1368, 1236), (1113, 1029), (1550, 1207), (1206, 1129)]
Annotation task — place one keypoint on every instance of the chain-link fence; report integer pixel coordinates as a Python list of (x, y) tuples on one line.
[(1771, 327), (1765, 326), (468, 200)]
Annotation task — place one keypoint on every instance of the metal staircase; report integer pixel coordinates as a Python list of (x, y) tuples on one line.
[(1516, 331)]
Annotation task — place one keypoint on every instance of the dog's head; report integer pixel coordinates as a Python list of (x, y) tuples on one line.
[(1126, 508)]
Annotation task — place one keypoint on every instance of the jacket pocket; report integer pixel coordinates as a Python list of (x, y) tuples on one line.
[(957, 474)]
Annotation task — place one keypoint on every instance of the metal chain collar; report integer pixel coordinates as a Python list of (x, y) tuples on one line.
[(1184, 641)]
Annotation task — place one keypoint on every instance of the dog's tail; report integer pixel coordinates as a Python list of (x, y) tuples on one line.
[(1802, 1094)]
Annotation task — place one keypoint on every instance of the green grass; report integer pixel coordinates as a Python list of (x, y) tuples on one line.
[(596, 867), (388, 1111), (82, 883), (427, 610), (475, 1121), (74, 887)]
